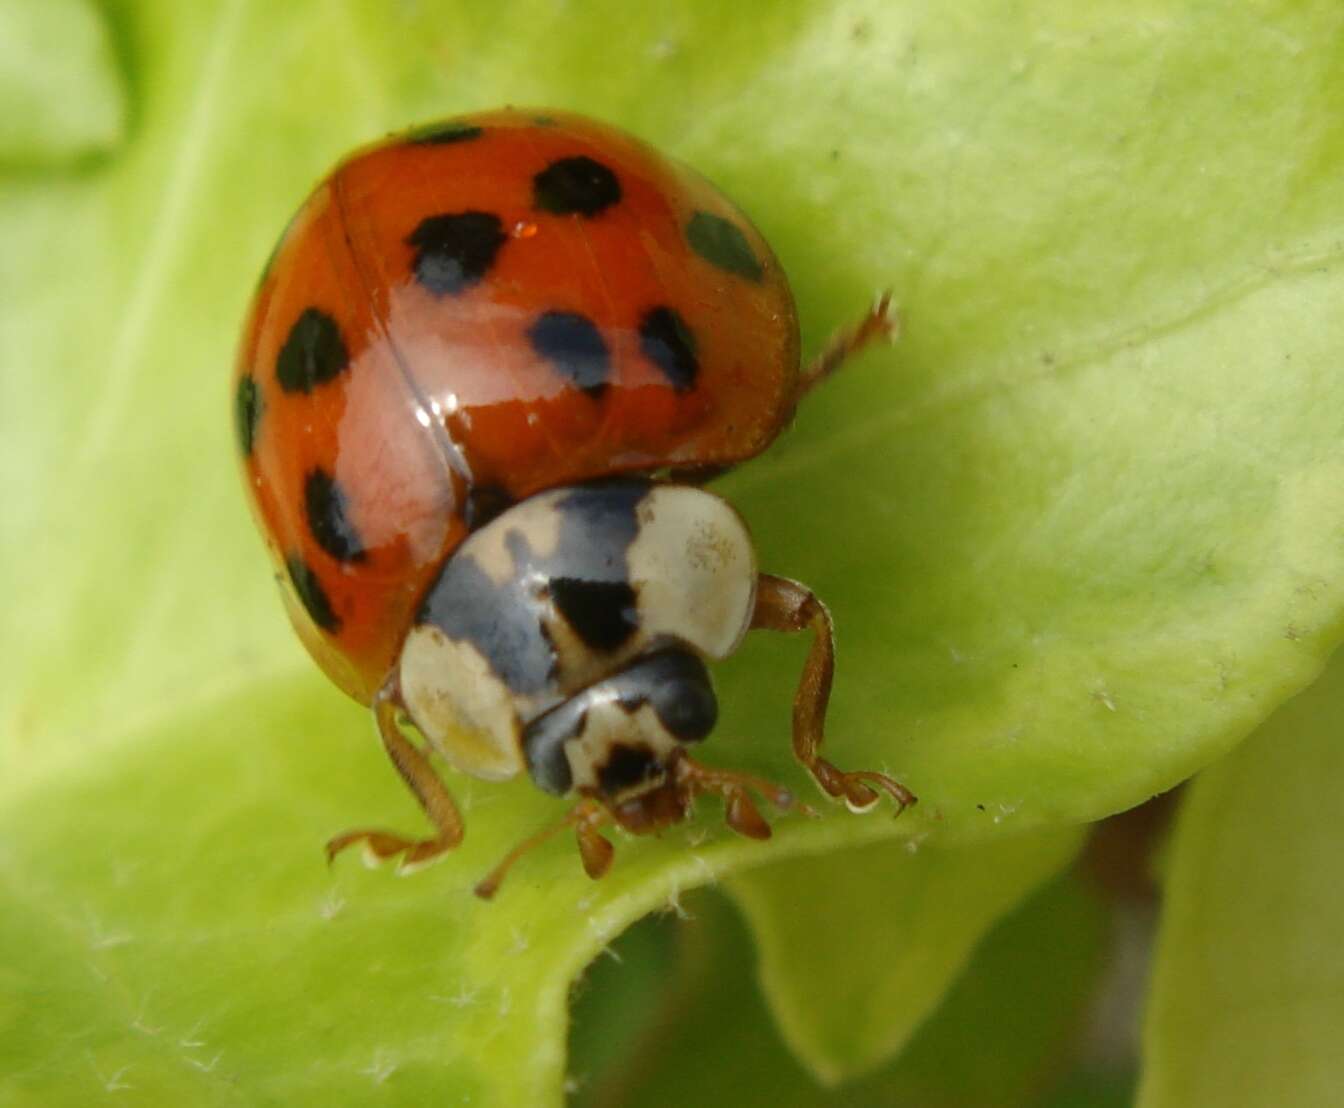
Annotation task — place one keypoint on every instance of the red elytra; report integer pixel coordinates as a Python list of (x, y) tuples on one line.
[(391, 355)]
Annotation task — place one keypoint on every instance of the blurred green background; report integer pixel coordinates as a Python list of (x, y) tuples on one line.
[(1082, 532)]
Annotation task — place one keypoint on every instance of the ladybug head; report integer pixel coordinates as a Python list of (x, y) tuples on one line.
[(620, 738)]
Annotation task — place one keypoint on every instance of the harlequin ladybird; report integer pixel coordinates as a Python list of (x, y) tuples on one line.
[(485, 375)]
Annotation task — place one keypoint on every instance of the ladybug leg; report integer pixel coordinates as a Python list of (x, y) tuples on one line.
[(423, 781), (784, 605), (881, 324), (739, 809), (595, 850)]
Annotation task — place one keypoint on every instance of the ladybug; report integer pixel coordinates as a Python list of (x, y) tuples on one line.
[(485, 376)]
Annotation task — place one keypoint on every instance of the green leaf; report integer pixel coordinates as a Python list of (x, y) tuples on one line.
[(1080, 531), (61, 87), (1092, 1088), (910, 920), (997, 1040), (1010, 1023), (182, 937), (1248, 990)]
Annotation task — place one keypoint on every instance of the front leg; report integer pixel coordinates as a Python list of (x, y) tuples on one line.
[(784, 605), (595, 850), (415, 769)]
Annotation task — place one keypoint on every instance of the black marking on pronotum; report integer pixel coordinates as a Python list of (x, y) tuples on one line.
[(602, 613), (248, 405), (722, 243), (444, 134), (328, 512), (574, 346), (314, 352), (668, 343), (467, 605), (598, 522), (455, 250), (628, 765), (507, 622), (575, 186), (311, 594)]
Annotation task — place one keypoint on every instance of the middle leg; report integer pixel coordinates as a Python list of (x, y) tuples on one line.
[(415, 769)]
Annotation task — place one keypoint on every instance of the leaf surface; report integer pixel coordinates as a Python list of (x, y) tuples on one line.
[(858, 946), (1248, 988), (1081, 530)]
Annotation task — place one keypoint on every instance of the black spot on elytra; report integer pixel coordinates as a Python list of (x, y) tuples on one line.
[(627, 766), (248, 404), (444, 134), (574, 346), (484, 503), (575, 186), (325, 503), (311, 594), (314, 353), (602, 613), (455, 250), (722, 243), (668, 343)]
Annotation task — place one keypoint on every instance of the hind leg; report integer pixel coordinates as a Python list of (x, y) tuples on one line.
[(881, 324)]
